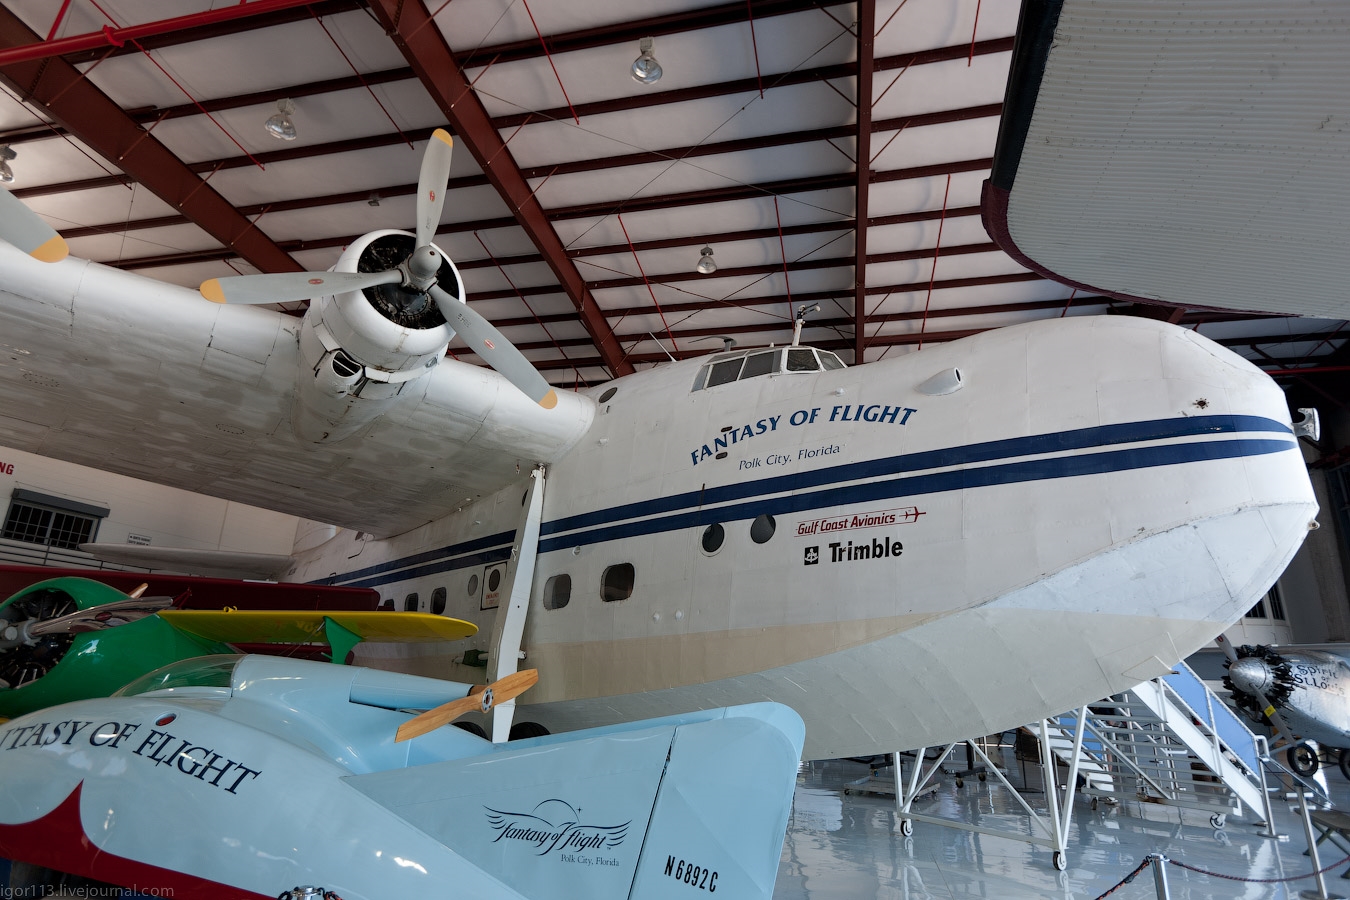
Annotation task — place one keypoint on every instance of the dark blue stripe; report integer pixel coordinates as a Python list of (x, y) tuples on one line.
[(1059, 441), (492, 540), (917, 485), (484, 558)]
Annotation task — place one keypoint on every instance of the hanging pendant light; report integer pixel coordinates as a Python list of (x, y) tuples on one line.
[(6, 173), (706, 264), (646, 70), (280, 125)]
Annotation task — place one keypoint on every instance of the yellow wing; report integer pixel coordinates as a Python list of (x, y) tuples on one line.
[(287, 626)]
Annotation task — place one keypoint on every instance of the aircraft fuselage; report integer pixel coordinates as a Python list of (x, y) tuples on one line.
[(904, 555)]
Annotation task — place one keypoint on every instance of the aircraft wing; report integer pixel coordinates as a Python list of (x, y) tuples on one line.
[(112, 370), (288, 626)]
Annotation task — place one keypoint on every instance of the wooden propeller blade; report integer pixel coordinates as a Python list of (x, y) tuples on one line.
[(507, 688)]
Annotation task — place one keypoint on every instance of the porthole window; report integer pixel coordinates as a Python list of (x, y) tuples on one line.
[(608, 395), (473, 585), (557, 591), (494, 580), (617, 582), (762, 528), (410, 603), (438, 601), (713, 536)]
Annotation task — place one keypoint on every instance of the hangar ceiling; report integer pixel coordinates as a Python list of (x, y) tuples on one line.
[(580, 199)]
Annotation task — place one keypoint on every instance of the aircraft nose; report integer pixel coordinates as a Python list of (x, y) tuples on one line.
[(1250, 675)]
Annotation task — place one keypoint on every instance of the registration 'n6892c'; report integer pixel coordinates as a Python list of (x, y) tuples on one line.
[(695, 876)]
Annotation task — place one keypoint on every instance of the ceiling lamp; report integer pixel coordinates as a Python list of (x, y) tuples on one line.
[(646, 70), (706, 264), (6, 173), (280, 125)]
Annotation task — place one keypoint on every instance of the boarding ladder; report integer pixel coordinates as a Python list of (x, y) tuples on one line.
[(1171, 741)]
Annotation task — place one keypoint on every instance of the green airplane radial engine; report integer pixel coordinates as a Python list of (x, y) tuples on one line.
[(63, 667)]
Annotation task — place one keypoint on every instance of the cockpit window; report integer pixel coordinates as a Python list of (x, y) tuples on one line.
[(198, 672), (725, 371), (760, 364), (764, 362), (802, 359)]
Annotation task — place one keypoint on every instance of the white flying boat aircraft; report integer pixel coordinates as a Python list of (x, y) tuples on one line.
[(909, 552)]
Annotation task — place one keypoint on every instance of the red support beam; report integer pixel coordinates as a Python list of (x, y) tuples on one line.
[(63, 93), (867, 27), (429, 55), (118, 37)]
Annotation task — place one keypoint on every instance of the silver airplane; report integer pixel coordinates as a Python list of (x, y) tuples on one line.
[(1304, 694)]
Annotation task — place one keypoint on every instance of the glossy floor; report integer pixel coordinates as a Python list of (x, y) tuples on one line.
[(849, 846)]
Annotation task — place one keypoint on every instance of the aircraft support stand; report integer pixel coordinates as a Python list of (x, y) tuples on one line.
[(1059, 801), (509, 627)]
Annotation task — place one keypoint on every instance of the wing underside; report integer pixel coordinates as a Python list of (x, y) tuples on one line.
[(111, 370)]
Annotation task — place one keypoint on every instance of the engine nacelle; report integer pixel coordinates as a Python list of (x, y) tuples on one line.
[(361, 350)]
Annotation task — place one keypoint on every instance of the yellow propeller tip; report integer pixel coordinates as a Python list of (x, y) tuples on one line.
[(51, 251), (550, 400), (211, 290), (442, 135)]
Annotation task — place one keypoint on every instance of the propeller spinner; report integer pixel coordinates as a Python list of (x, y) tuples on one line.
[(416, 274)]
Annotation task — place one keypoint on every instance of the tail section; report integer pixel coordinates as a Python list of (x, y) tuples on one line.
[(647, 809)]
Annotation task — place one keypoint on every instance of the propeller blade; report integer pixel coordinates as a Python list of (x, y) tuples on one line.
[(1227, 647), (108, 615), (1276, 720), (23, 228), (495, 349), (507, 688), (289, 287), (431, 184)]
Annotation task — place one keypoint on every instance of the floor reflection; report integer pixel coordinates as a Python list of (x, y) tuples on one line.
[(850, 846)]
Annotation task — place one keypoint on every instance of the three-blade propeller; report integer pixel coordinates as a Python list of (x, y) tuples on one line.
[(95, 618), (506, 688), (415, 274), (22, 227)]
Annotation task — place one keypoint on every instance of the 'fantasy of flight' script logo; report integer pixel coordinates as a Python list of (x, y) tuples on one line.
[(555, 825)]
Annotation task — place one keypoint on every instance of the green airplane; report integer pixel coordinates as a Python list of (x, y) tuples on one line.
[(72, 638)]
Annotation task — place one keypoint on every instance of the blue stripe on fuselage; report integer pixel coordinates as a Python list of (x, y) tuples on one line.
[(1055, 442), (916, 485), (483, 558), (426, 556), (496, 547)]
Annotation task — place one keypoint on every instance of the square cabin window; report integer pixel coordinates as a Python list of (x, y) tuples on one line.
[(617, 582), (557, 591)]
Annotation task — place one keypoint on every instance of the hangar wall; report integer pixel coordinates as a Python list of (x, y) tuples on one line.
[(137, 511)]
